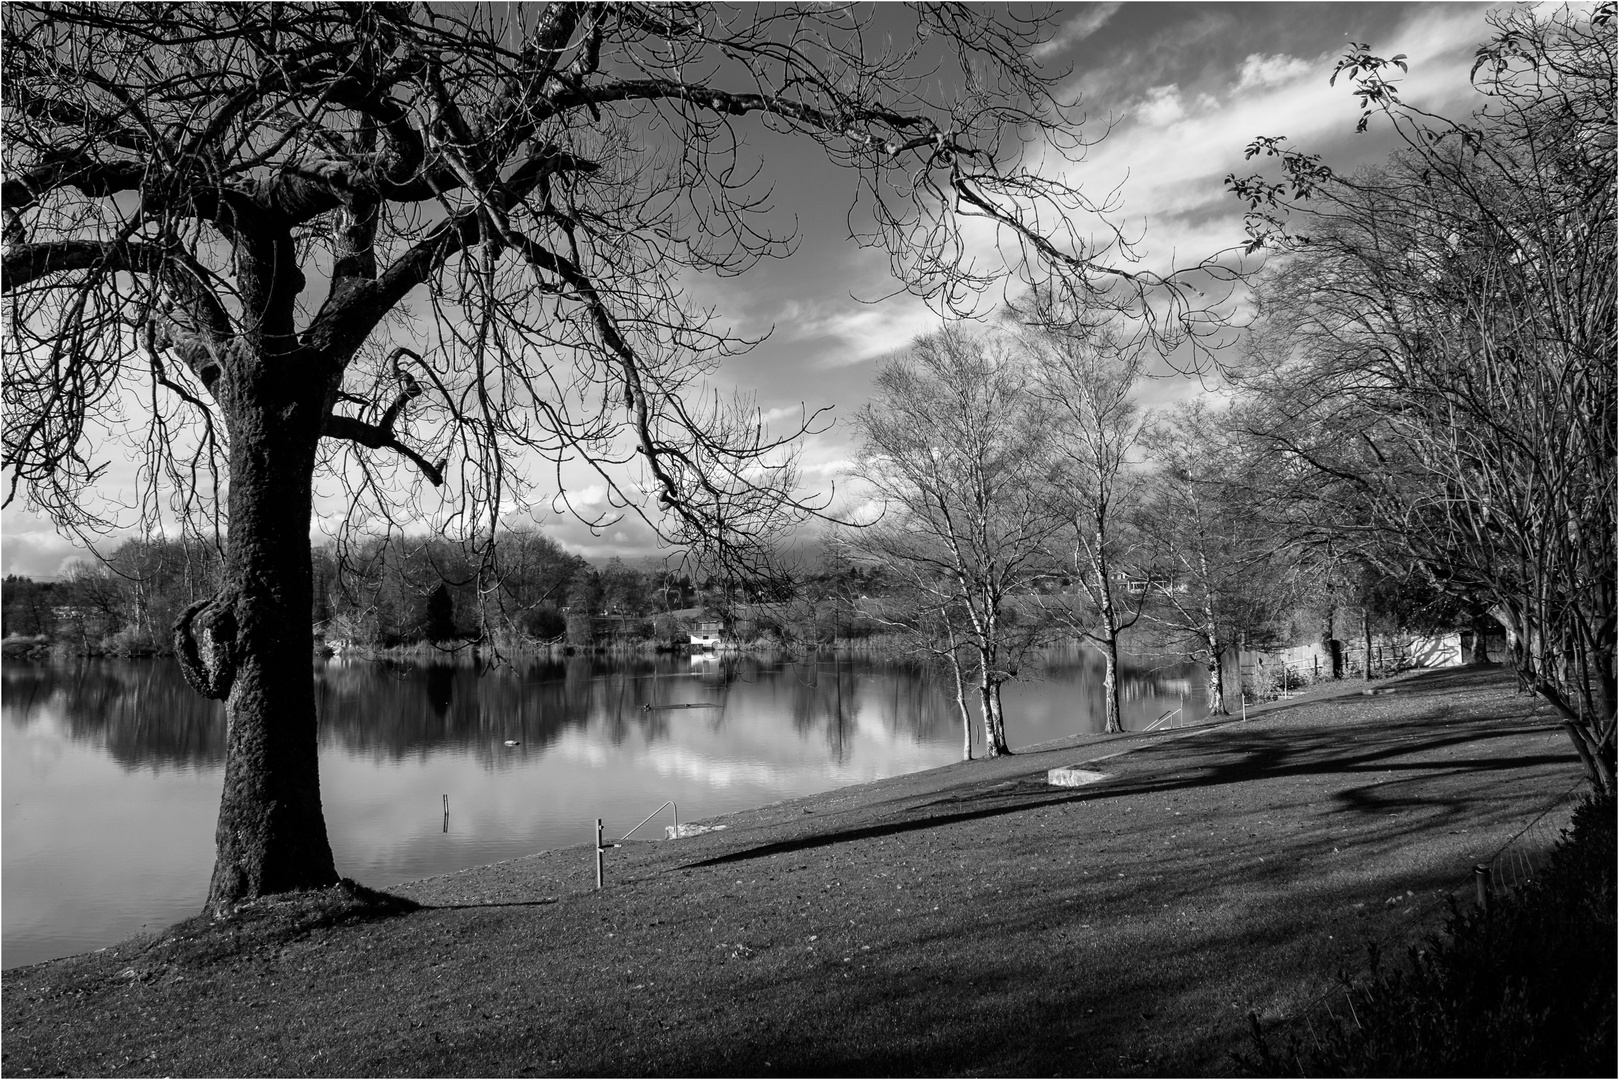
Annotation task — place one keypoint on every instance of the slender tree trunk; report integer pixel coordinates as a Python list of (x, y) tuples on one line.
[(1110, 682), (999, 718), (1331, 645), (1216, 678), (989, 707), (1479, 654), (271, 835), (1366, 631), (1110, 625), (961, 702)]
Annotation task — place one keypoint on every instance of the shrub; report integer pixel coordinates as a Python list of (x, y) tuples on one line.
[(545, 622), (131, 641), (1527, 988)]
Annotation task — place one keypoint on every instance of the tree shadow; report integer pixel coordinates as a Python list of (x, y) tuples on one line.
[(1255, 757)]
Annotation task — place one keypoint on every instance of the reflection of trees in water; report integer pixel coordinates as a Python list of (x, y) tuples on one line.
[(1140, 678), (822, 694), (146, 716), (396, 710), (141, 711), (914, 700)]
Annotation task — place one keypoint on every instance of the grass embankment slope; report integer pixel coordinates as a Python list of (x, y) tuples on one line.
[(970, 919)]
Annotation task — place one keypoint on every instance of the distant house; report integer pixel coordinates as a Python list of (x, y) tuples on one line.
[(83, 621), (707, 635)]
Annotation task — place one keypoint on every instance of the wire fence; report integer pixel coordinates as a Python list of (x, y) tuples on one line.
[(1512, 866)]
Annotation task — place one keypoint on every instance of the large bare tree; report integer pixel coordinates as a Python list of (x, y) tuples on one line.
[(377, 245), (1439, 350), (1210, 563), (1086, 376), (956, 452)]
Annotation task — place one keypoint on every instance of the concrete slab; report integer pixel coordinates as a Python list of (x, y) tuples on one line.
[(1069, 776)]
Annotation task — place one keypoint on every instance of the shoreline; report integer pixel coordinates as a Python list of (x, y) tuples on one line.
[(968, 918)]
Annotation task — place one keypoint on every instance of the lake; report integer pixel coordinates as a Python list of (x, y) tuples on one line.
[(112, 768)]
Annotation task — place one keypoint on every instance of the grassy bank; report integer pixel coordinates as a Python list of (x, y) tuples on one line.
[(969, 919)]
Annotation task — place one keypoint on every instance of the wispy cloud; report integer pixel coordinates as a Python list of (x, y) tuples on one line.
[(1164, 105), (853, 332), (1090, 19), (1261, 70)]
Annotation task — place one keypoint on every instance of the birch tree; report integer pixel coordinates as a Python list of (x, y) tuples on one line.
[(1085, 376), (956, 452), (1208, 559)]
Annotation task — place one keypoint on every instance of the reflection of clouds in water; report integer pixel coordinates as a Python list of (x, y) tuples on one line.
[(41, 737), (112, 768)]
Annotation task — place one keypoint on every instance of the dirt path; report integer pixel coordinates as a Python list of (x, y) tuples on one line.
[(967, 920)]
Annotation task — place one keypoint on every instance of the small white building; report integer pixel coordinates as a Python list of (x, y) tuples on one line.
[(707, 635)]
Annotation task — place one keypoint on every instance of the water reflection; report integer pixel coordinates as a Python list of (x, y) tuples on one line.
[(396, 711), (140, 713), (112, 769)]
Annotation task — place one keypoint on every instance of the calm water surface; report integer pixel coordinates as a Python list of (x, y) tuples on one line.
[(112, 769)]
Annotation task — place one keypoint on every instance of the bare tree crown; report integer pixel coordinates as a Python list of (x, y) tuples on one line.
[(470, 228)]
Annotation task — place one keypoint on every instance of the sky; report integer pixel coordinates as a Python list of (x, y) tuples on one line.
[(1185, 88)]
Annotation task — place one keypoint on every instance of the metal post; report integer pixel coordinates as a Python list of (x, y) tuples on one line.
[(1481, 883), (598, 853)]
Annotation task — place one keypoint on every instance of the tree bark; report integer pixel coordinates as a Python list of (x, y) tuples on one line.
[(1110, 625), (1478, 654), (990, 706), (961, 702), (1110, 682), (1366, 632), (271, 835), (1216, 678)]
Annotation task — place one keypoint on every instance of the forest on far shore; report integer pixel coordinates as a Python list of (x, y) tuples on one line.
[(386, 594)]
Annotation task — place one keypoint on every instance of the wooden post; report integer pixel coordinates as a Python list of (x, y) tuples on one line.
[(598, 853), (1481, 883)]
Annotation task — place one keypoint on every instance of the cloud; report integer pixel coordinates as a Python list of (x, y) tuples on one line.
[(1165, 105), (1091, 18), (1161, 107), (31, 548), (1261, 70), (859, 332)]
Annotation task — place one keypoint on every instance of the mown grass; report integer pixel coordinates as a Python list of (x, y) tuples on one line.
[(966, 920), (1523, 987)]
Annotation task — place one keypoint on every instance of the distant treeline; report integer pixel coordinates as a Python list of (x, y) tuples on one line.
[(405, 592)]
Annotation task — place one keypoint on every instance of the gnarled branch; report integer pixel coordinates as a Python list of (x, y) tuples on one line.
[(211, 677)]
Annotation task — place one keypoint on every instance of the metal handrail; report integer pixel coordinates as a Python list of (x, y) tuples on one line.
[(604, 845), (649, 817), (1154, 725)]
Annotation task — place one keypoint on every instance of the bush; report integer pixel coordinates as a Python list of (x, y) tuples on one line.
[(1526, 989), (135, 642), (545, 622)]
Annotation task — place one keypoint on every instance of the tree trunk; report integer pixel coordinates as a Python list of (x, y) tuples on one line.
[(1366, 631), (1000, 718), (1110, 682), (271, 836), (1478, 654), (961, 706), (989, 706), (1216, 678), (1110, 626)]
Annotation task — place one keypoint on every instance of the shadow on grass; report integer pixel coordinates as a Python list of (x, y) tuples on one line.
[(268, 923), (1245, 759), (541, 902)]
